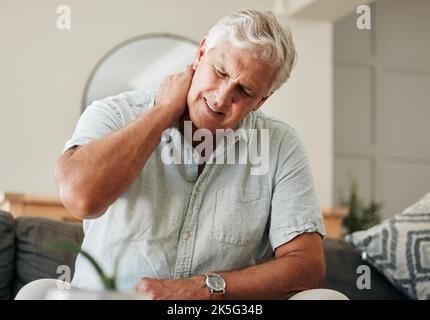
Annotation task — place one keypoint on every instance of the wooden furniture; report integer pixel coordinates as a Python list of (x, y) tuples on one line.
[(333, 219), (20, 204)]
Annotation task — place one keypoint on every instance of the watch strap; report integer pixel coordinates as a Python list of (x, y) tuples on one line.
[(215, 295)]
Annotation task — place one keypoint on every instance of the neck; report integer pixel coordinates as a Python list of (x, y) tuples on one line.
[(186, 117)]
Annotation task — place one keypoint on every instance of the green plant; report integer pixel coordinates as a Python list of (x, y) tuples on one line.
[(361, 216), (109, 282)]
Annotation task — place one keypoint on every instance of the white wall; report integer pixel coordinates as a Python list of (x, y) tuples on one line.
[(44, 71), (305, 101), (381, 105)]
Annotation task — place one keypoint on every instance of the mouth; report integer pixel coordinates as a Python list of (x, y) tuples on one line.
[(212, 110)]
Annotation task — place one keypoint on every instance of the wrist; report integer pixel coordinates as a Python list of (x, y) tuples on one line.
[(204, 292), (216, 285), (168, 114), (162, 116)]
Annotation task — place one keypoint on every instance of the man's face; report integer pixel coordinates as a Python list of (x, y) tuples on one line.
[(228, 84)]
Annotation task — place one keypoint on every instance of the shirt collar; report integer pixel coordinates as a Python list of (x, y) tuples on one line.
[(241, 132)]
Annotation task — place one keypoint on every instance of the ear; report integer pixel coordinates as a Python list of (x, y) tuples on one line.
[(261, 102), (200, 53)]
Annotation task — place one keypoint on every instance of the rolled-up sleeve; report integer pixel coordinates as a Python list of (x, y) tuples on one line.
[(99, 119), (294, 207)]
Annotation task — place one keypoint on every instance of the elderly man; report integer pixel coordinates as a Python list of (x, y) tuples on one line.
[(199, 229)]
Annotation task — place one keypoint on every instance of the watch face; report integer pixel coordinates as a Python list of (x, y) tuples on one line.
[(217, 283)]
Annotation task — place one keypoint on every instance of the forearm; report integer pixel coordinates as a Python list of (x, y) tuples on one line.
[(96, 174), (299, 265), (276, 279)]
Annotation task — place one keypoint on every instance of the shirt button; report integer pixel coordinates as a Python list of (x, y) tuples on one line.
[(187, 235)]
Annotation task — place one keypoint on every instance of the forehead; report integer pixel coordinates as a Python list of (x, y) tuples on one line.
[(243, 66)]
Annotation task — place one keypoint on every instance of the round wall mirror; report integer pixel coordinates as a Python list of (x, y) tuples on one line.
[(138, 64)]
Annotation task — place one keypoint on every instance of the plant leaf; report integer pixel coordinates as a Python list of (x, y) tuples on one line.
[(108, 282)]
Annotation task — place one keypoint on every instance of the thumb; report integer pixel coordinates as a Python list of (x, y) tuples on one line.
[(191, 67), (189, 71)]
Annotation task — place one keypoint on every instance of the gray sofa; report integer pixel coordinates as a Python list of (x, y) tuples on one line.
[(24, 257)]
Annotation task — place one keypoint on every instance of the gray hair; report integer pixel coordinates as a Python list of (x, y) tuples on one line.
[(261, 32)]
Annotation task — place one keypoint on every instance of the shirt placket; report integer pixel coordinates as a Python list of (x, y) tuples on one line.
[(187, 238)]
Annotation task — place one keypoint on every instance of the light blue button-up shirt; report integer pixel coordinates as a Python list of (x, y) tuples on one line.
[(173, 223)]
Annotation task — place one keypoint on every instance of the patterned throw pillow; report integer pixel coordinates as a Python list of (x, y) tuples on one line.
[(400, 248)]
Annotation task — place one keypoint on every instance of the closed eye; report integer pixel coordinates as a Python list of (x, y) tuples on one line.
[(222, 74), (243, 91)]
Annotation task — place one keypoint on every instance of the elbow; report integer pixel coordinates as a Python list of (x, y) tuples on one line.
[(75, 197), (317, 273), (78, 204)]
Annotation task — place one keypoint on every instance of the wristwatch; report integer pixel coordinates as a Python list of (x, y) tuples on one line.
[(216, 285)]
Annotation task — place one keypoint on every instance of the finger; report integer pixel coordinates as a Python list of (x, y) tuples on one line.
[(190, 69), (143, 284)]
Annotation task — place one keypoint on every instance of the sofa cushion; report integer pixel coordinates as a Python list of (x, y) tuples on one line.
[(7, 249), (33, 257), (342, 262), (400, 248)]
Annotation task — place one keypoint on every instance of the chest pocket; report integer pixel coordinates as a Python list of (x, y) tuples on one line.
[(241, 215)]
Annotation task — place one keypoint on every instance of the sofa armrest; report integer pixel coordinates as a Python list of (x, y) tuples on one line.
[(33, 259), (342, 262), (7, 254)]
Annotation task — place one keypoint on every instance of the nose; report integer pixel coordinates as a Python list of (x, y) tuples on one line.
[(224, 96)]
